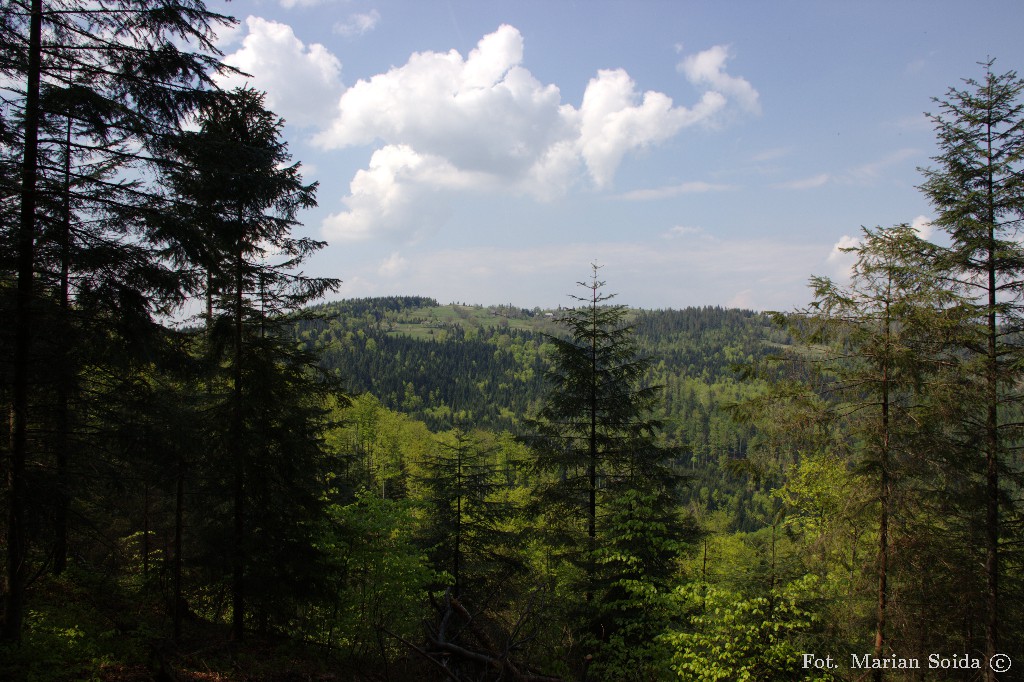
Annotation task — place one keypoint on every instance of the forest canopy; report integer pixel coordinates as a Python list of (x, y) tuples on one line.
[(211, 468)]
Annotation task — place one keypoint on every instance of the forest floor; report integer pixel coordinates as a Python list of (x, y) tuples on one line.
[(97, 632)]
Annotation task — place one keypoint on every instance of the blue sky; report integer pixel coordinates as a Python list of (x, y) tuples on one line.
[(705, 153)]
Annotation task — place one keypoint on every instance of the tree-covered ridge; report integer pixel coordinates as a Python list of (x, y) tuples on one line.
[(420, 358), (489, 361), (485, 364)]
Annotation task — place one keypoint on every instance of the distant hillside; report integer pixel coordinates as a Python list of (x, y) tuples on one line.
[(485, 364)]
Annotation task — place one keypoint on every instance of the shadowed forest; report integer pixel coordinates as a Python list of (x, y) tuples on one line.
[(210, 473)]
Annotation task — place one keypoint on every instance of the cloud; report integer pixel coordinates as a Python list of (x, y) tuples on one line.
[(483, 123), (358, 24), (483, 113), (392, 194), (681, 230), (841, 261), (864, 174), (291, 4), (393, 265), (869, 172), (707, 68), (698, 187), (742, 299), (923, 226), (615, 119), (228, 36), (755, 273), (805, 183), (302, 82)]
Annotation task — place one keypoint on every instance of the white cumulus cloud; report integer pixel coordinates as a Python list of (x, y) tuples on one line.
[(840, 260), (615, 119), (483, 122), (707, 69), (401, 194), (484, 112), (923, 226), (302, 81), (358, 24)]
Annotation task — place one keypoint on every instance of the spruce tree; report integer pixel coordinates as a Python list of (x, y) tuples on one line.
[(603, 466), (235, 186), (880, 341), (114, 74), (977, 189), (465, 533)]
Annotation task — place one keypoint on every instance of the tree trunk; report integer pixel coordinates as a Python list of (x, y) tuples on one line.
[(992, 472), (17, 549), (179, 532), (992, 430), (65, 378), (592, 463), (238, 569), (884, 498)]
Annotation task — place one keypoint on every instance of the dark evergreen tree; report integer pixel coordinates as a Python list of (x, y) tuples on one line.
[(977, 189), (234, 183), (604, 469), (107, 79), (465, 532)]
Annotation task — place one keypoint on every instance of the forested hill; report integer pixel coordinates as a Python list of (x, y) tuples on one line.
[(484, 365), (198, 503)]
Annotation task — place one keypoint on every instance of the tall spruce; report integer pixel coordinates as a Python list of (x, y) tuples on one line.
[(115, 74), (235, 184), (596, 443), (880, 340), (465, 534), (977, 189)]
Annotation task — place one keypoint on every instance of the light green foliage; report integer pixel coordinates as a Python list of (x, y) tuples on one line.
[(66, 637), (381, 448), (383, 576), (637, 552), (869, 484), (740, 636), (822, 497)]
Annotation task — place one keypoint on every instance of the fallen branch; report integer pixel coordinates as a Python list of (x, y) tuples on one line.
[(422, 653)]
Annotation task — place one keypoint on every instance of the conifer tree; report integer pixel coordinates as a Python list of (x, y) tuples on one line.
[(115, 73), (880, 339), (596, 442), (235, 185), (465, 533), (977, 189)]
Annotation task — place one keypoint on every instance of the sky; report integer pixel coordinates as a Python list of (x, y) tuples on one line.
[(703, 153)]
